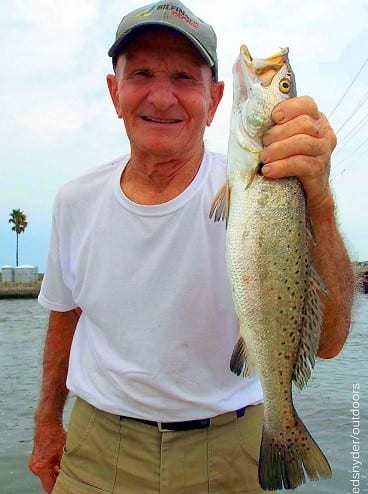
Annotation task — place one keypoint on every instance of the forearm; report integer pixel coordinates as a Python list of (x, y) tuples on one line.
[(49, 437), (332, 262), (55, 367)]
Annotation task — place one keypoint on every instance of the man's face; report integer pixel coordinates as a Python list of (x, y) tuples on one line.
[(164, 92)]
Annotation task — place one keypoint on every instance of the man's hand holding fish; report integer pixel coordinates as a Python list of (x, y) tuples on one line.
[(301, 145)]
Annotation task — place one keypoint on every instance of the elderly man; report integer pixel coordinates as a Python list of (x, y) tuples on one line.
[(142, 323)]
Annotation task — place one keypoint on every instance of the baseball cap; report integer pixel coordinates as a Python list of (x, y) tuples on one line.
[(174, 15)]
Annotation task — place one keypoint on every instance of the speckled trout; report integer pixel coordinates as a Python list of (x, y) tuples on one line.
[(276, 291)]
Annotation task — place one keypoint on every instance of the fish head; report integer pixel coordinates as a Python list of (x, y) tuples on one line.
[(259, 85)]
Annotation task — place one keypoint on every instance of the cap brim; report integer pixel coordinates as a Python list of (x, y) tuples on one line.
[(119, 44)]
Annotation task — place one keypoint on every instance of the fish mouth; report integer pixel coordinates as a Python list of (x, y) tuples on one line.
[(264, 69)]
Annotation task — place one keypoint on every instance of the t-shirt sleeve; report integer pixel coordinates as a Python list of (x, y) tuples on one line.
[(55, 294)]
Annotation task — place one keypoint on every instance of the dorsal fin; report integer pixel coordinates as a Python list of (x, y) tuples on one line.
[(311, 329)]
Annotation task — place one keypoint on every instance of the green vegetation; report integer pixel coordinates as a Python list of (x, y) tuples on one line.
[(19, 221)]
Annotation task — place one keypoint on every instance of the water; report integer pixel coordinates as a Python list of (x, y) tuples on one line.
[(325, 405)]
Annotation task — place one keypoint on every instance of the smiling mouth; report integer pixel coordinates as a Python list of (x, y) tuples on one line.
[(161, 120)]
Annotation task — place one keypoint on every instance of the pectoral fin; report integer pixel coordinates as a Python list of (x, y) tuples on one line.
[(221, 203), (240, 362)]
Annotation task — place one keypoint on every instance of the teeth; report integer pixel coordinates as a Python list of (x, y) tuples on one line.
[(161, 120)]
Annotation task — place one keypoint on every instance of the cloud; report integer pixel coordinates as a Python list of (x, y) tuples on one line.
[(45, 36), (45, 123)]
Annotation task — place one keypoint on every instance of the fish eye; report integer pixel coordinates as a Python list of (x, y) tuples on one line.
[(285, 86)]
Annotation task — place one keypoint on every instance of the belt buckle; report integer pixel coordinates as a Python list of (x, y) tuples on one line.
[(162, 429)]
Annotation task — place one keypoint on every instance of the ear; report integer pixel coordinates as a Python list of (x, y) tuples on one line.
[(112, 84), (217, 91)]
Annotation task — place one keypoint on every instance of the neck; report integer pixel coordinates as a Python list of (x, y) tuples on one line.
[(152, 181)]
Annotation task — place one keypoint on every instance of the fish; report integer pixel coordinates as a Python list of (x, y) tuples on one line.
[(275, 288)]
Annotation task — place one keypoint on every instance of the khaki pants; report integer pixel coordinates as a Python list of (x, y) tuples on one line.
[(106, 454)]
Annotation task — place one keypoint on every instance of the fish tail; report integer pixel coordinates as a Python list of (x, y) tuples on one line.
[(288, 455)]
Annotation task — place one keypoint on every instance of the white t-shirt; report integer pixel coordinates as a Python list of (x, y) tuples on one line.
[(158, 326)]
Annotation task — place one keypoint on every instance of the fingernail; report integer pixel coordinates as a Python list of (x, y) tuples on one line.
[(266, 170), (278, 116)]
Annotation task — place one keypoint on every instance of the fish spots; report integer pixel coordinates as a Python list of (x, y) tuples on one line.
[(245, 278)]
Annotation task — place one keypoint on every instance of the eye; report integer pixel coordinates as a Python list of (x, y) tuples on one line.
[(285, 86), (183, 76), (141, 74)]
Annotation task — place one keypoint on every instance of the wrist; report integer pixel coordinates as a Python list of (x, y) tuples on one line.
[(50, 412), (322, 209)]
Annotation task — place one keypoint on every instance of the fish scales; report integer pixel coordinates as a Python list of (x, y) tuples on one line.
[(276, 291)]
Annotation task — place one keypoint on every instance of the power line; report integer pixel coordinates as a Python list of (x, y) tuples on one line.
[(362, 122), (358, 106), (337, 171), (353, 153), (348, 89)]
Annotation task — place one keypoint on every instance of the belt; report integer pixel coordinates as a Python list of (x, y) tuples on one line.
[(187, 425)]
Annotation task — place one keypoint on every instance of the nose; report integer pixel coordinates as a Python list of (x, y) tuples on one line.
[(162, 92)]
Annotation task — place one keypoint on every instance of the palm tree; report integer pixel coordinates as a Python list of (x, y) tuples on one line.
[(19, 220)]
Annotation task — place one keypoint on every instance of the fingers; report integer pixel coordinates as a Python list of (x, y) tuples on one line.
[(46, 454), (289, 109), (300, 145), (46, 473), (310, 127), (48, 481), (299, 116), (295, 166)]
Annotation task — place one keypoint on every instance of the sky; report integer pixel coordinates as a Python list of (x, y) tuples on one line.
[(57, 120)]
